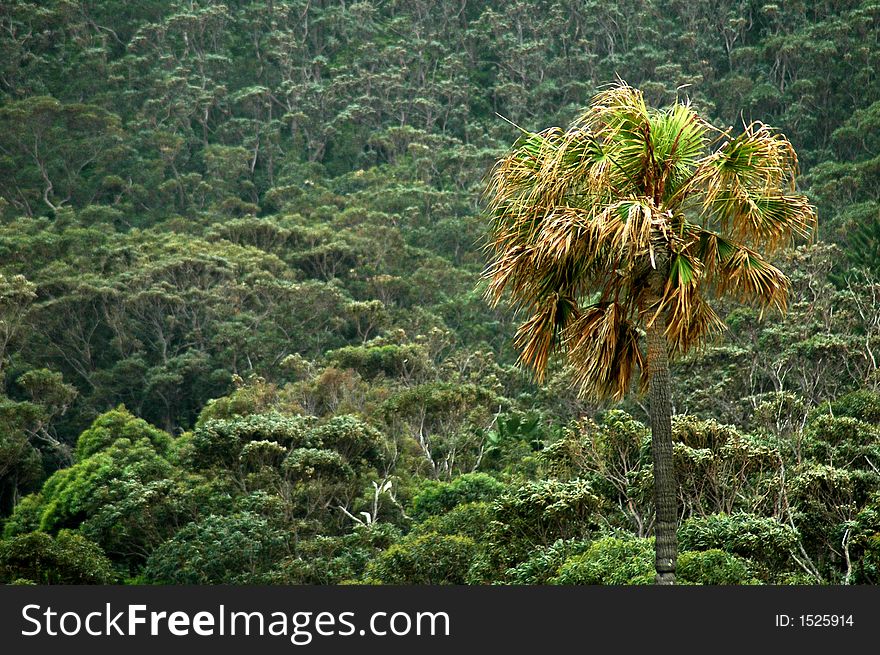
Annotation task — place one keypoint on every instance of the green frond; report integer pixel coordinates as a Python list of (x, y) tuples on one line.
[(772, 220), (731, 267), (749, 189), (683, 270), (758, 158), (710, 248), (678, 143), (689, 318)]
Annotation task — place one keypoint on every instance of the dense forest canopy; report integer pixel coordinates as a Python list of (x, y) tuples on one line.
[(243, 338)]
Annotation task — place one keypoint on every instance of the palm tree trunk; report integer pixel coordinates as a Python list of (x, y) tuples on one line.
[(665, 485)]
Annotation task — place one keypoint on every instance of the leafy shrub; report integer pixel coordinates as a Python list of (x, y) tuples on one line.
[(752, 537), (617, 442), (698, 433), (544, 562), (218, 549), (69, 558), (843, 440), (713, 567), (425, 559), (610, 561), (333, 560), (306, 463), (256, 397), (393, 361), (26, 517), (437, 497), (862, 404), (358, 442), (710, 455), (469, 520), (72, 495), (134, 516), (258, 454), (866, 543), (537, 514), (119, 424), (219, 442)]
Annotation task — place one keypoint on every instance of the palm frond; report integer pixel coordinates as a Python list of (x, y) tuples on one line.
[(512, 269), (770, 219), (603, 345), (538, 336), (742, 272), (733, 268), (689, 319), (627, 226), (563, 230), (749, 189), (582, 216), (753, 279), (678, 144)]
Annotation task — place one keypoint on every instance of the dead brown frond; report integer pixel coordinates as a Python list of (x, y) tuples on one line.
[(603, 345)]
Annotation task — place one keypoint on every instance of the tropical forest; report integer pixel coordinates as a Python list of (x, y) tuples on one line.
[(403, 292)]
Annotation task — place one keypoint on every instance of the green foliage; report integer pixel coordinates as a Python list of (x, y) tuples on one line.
[(447, 420), (55, 152), (26, 517), (545, 561), (334, 559), (226, 222), (136, 515), (389, 360), (119, 424), (217, 549), (254, 398), (537, 514), (863, 405), (866, 541), (713, 567), (722, 470), (39, 558), (357, 442), (429, 558), (614, 454), (308, 463), (515, 436), (436, 497), (72, 495), (843, 440), (760, 539), (219, 442), (610, 561), (21, 463), (467, 519)]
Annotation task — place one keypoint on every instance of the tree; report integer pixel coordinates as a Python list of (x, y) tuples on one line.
[(68, 558), (54, 152), (16, 297), (623, 226)]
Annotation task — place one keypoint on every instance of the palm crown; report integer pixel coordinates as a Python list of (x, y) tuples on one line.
[(586, 221)]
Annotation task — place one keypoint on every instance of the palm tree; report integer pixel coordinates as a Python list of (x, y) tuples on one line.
[(623, 226)]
